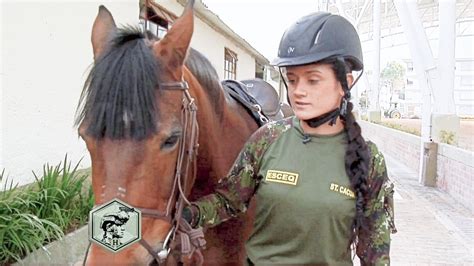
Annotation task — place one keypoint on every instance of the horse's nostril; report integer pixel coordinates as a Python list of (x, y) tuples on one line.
[(153, 263)]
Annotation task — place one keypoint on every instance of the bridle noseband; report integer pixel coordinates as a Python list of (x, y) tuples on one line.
[(191, 240)]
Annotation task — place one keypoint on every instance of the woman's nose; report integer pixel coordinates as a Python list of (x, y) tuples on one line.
[(300, 90)]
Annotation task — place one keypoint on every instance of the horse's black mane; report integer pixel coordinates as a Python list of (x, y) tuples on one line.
[(118, 98)]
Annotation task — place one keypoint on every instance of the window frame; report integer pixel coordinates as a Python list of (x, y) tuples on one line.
[(230, 64)]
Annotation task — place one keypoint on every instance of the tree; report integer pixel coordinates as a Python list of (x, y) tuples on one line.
[(393, 75)]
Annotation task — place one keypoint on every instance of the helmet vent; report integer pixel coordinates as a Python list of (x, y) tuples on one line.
[(320, 29), (317, 37)]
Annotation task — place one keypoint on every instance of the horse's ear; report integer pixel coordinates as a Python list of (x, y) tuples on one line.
[(176, 42), (104, 25)]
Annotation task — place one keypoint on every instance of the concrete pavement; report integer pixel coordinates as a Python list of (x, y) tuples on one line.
[(433, 229)]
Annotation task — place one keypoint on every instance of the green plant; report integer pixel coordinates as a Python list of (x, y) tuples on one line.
[(393, 75), (447, 137), (59, 194), (41, 212)]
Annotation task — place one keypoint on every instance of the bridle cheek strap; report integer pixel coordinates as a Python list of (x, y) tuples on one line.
[(182, 234)]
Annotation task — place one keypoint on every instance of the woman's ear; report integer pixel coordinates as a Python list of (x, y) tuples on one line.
[(350, 79)]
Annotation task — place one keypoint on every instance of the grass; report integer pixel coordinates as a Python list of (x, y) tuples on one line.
[(403, 128), (399, 127), (34, 215)]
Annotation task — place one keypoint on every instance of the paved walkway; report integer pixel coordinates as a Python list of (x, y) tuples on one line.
[(433, 229)]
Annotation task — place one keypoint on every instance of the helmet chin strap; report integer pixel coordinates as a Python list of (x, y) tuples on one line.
[(331, 116), (324, 118)]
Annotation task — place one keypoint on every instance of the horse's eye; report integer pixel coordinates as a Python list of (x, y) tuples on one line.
[(170, 142)]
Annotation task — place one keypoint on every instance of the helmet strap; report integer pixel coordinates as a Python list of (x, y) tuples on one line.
[(341, 76), (343, 108), (358, 77), (324, 118), (286, 85)]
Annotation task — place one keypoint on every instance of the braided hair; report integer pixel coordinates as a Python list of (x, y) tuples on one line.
[(357, 157)]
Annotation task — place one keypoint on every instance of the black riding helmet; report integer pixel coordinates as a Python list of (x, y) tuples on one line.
[(319, 36), (322, 36)]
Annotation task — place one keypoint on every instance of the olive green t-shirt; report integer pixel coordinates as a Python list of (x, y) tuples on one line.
[(305, 207)]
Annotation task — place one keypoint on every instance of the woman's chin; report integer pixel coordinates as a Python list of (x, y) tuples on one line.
[(304, 115)]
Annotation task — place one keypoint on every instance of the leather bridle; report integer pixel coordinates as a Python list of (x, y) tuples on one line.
[(181, 233)]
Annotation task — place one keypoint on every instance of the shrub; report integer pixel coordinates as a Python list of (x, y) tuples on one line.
[(41, 212), (447, 137)]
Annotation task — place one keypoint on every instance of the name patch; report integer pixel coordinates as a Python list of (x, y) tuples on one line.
[(343, 190), (282, 177)]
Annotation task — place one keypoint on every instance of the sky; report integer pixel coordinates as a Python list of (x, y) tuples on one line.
[(261, 22)]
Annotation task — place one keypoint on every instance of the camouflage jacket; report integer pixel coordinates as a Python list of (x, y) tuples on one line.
[(234, 192)]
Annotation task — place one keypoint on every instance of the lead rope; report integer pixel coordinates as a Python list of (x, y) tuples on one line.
[(87, 253)]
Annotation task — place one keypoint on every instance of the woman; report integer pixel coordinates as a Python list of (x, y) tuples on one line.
[(319, 187)]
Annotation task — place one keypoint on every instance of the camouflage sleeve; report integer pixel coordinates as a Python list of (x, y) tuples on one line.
[(373, 247), (233, 193)]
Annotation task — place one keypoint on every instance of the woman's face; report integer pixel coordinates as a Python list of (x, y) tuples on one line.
[(313, 90)]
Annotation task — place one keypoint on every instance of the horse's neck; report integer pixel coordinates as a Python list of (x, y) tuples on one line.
[(224, 127)]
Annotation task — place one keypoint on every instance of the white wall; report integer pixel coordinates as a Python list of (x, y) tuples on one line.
[(211, 43), (46, 55)]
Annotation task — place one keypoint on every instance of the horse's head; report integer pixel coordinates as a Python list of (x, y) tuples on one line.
[(131, 119)]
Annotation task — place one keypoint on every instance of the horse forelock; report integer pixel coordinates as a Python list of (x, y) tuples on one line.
[(118, 99)]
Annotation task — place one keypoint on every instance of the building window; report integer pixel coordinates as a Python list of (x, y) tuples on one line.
[(259, 70), (230, 64), (154, 28), (157, 20)]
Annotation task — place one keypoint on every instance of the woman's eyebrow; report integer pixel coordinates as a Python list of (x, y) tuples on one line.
[(313, 71)]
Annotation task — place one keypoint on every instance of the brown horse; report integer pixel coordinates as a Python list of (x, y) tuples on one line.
[(130, 118)]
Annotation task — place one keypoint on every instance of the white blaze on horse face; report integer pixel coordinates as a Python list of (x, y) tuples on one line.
[(102, 195), (121, 192), (127, 119)]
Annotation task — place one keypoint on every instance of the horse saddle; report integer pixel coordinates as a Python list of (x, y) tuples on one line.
[(257, 96)]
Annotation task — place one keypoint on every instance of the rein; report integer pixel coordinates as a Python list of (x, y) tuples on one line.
[(181, 233)]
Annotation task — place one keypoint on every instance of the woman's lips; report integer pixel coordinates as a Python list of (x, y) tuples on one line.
[(302, 104)]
